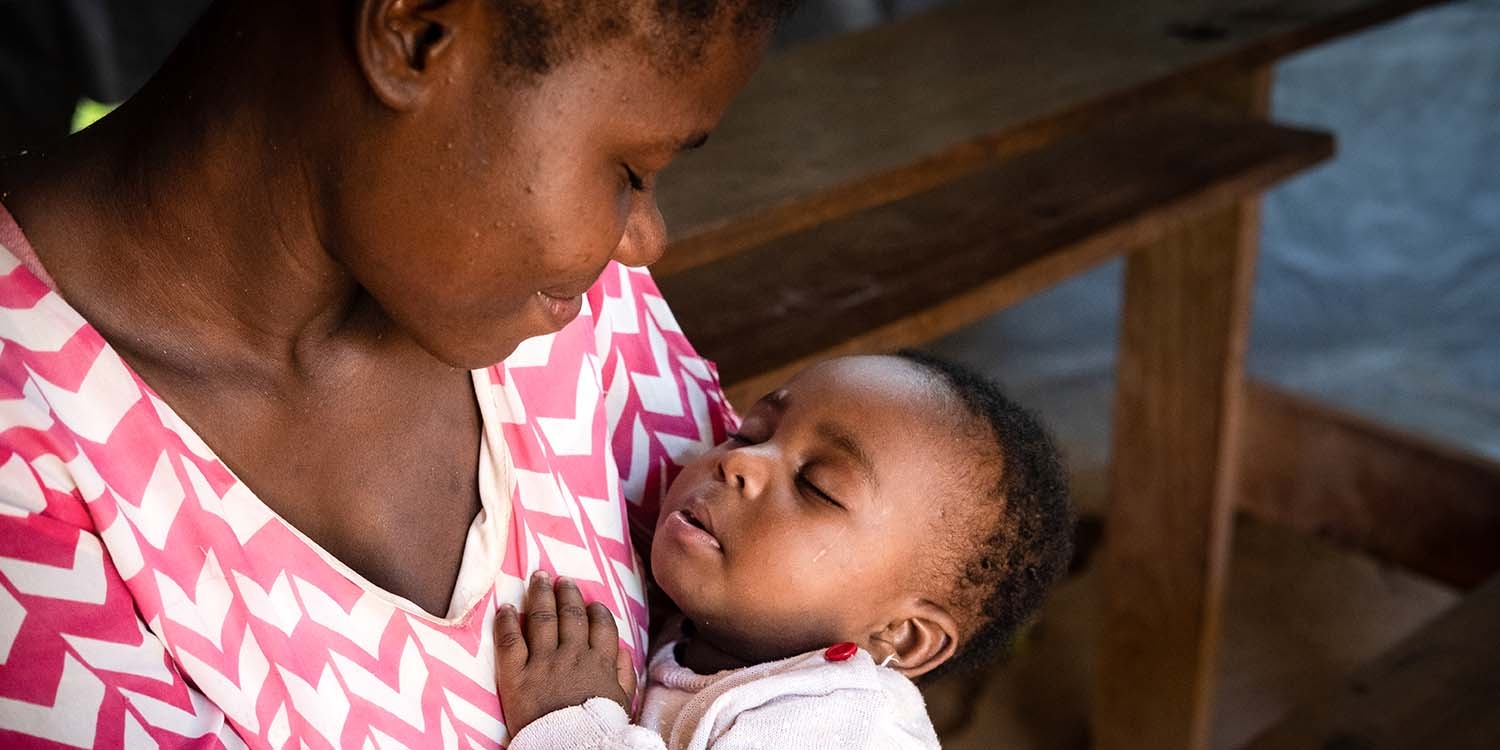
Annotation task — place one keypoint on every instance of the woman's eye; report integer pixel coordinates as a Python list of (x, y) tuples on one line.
[(816, 491), (637, 183)]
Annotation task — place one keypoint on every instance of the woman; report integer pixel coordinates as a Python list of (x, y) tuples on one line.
[(261, 483)]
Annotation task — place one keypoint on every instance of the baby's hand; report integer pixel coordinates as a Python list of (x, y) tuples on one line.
[(568, 654)]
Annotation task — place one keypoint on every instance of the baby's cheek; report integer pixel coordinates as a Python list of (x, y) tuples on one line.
[(815, 560)]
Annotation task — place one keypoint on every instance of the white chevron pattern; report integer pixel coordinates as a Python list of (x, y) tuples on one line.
[(198, 719), (158, 603), (136, 735), (124, 547), (23, 494), (67, 721), (236, 698), (40, 328), (277, 607), (362, 625), (573, 435), (96, 408), (146, 658), (404, 699), (658, 388), (204, 611), (157, 510), (12, 614), (30, 411), (83, 581), (330, 699)]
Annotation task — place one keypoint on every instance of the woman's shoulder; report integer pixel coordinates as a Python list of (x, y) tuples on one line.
[(47, 361), (72, 412)]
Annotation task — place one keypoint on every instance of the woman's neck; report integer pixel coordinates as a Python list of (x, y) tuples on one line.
[(187, 226)]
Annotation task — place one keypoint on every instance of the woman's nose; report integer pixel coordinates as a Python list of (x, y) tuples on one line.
[(645, 237)]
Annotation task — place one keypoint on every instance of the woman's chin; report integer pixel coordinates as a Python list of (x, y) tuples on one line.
[(470, 353)]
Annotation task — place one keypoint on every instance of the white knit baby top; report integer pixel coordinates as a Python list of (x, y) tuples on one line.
[(806, 701)]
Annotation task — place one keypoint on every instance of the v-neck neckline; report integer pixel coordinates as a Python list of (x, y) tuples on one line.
[(485, 539)]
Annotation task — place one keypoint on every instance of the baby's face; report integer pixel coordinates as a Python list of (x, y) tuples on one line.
[(817, 520)]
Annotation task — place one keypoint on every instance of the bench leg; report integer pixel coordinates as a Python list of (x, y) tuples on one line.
[(1168, 532)]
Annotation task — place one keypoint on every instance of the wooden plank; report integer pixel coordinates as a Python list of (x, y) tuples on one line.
[(1172, 473), (1438, 689), (1165, 557), (908, 272), (1425, 506), (835, 127)]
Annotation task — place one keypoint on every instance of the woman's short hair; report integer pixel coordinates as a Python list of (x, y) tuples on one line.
[(541, 34)]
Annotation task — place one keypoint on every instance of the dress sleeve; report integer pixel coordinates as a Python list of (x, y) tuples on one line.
[(78, 667), (664, 402), (598, 724)]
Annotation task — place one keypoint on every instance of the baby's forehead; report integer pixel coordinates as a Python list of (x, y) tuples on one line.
[(875, 388), (907, 415), (871, 379)]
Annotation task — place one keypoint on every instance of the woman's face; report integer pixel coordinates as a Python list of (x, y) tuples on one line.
[(480, 218)]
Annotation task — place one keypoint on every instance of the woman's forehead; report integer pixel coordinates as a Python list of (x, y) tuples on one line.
[(539, 35)]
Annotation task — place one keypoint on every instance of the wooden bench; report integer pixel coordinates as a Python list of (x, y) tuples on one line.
[(1440, 688), (883, 188), (1404, 499), (920, 267), (856, 121)]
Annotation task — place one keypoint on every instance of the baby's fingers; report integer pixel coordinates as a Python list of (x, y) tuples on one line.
[(625, 675), (541, 614), (574, 621), (603, 635), (510, 645)]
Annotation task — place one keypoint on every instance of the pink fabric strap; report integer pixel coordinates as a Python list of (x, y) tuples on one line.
[(12, 239)]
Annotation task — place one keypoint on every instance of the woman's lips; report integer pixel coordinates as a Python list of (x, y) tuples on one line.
[(560, 310), (682, 528)]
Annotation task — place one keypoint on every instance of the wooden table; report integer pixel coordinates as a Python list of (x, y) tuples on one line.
[(883, 188)]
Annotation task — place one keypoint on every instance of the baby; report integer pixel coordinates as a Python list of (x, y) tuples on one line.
[(875, 520)]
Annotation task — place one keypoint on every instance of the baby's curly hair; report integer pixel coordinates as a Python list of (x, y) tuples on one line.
[(541, 34), (1023, 540)]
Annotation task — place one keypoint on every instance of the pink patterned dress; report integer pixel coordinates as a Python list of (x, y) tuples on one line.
[(148, 598)]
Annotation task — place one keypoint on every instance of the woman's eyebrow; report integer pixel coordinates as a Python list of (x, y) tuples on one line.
[(845, 443), (693, 141)]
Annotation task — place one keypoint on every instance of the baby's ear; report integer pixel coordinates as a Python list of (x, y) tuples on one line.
[(921, 640)]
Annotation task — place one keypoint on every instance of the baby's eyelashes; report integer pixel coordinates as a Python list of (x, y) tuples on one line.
[(817, 491)]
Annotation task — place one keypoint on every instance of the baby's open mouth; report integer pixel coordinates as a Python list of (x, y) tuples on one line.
[(689, 527), (688, 516)]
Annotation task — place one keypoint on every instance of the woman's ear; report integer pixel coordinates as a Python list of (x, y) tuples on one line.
[(399, 43), (920, 641)]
